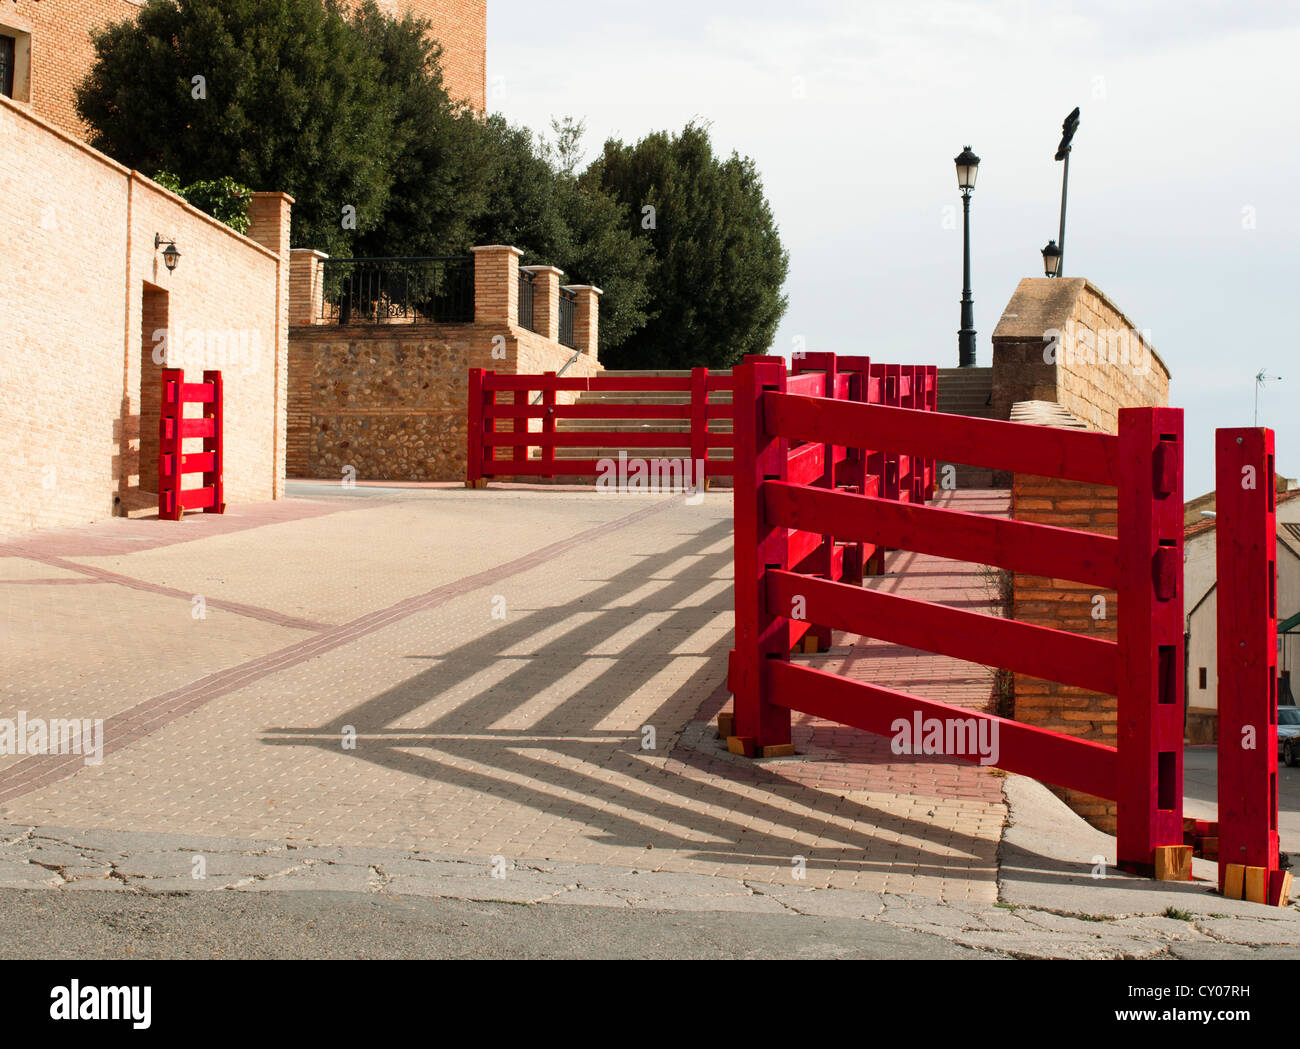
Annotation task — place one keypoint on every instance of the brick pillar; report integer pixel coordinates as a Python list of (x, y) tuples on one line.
[(306, 286), (586, 318), (546, 300), (496, 285), (268, 225)]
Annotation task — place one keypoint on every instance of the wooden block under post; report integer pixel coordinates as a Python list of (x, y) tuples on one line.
[(1234, 881), (726, 725), (781, 750), (1209, 848), (743, 745), (1279, 888), (1257, 884), (1173, 862), (810, 643)]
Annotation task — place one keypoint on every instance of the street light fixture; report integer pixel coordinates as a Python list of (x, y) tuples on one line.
[(968, 166), (1052, 259)]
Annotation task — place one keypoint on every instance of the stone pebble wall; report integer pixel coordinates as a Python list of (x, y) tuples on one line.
[(394, 407)]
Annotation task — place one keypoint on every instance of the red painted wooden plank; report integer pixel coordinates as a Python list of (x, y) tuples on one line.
[(197, 392), (1053, 655), (474, 428), (1246, 555), (1045, 451), (590, 467), (214, 443), (1150, 628), (599, 411), (807, 384), (1044, 550), (761, 638), (526, 383), (195, 428), (807, 463), (594, 439), (199, 462), (802, 544), (197, 498), (1025, 749), (811, 568)]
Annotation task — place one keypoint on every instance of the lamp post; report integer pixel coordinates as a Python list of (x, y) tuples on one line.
[(1052, 259), (968, 165), (1068, 128)]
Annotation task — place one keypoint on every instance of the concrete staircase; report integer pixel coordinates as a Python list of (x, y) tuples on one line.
[(969, 391), (621, 397)]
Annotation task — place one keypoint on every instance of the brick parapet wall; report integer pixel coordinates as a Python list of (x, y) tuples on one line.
[(1063, 340)]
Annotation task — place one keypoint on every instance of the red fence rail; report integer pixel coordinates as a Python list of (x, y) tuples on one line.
[(174, 429), (784, 508), (1246, 552)]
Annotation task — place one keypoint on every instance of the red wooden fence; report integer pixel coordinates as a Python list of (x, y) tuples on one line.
[(174, 429), (785, 507), (505, 427), (1246, 549)]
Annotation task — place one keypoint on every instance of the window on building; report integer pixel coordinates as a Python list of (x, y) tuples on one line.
[(8, 60), (1205, 677)]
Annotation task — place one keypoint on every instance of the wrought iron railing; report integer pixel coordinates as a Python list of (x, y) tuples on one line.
[(526, 290), (398, 291), (568, 307)]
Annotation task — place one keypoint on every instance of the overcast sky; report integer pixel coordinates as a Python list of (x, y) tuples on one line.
[(1184, 182)]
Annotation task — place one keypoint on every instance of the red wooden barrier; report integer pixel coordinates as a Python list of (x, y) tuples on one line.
[(778, 499), (1246, 541), (495, 428), (174, 429)]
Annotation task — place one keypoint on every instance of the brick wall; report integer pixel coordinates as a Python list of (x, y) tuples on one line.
[(79, 348), (1065, 605), (1063, 340), (460, 26), (62, 53)]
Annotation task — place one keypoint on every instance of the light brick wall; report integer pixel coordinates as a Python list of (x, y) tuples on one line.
[(62, 53), (78, 343), (1065, 605)]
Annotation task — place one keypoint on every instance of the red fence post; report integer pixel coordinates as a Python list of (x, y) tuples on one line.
[(699, 427), (1150, 638), (548, 427), (474, 431), (827, 364), (171, 408), (214, 445), (762, 634), (931, 405), (1246, 549)]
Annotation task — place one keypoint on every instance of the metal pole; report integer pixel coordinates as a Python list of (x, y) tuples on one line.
[(1060, 240), (966, 337)]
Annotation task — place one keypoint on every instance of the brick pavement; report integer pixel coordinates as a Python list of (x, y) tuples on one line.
[(477, 736)]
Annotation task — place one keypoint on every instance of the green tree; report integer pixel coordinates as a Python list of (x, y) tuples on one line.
[(717, 293), (440, 166), (289, 98)]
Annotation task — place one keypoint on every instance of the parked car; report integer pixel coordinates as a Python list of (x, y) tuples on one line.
[(1288, 734)]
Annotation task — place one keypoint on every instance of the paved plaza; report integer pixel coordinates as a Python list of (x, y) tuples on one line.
[(505, 694)]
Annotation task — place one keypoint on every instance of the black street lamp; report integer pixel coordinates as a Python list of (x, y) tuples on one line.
[(968, 165), (1052, 259)]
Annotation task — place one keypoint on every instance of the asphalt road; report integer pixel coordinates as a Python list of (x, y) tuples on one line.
[(37, 924)]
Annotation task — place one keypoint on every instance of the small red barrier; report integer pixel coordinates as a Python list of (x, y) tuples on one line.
[(781, 515), (1246, 542), (174, 429)]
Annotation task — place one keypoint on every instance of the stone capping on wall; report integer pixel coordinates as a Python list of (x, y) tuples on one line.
[(1093, 389), (132, 175), (1045, 413)]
